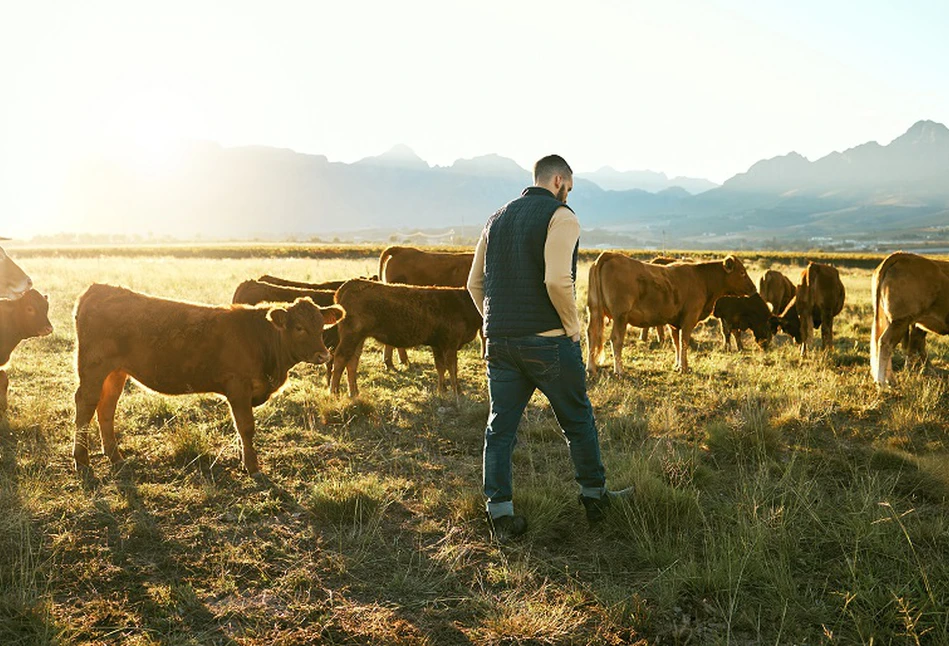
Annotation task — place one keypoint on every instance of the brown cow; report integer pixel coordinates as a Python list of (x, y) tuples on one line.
[(646, 295), (444, 318), (14, 282), (254, 292), (910, 295), (283, 282), (412, 266), (820, 292), (661, 330), (740, 313), (238, 351), (23, 318), (776, 289)]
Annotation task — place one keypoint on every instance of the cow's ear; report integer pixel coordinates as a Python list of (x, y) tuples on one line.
[(332, 314), (278, 316), (46, 296), (729, 263)]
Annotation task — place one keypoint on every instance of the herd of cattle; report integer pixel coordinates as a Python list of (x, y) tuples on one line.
[(245, 350)]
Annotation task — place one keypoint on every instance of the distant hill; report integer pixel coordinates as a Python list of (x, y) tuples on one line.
[(645, 180), (863, 193)]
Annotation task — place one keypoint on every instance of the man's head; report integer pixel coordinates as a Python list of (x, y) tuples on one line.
[(554, 173)]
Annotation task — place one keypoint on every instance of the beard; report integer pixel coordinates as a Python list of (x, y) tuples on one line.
[(562, 194)]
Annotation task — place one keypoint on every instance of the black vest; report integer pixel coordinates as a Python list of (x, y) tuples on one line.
[(515, 297)]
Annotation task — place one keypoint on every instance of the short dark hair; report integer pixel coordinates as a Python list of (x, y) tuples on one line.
[(546, 167)]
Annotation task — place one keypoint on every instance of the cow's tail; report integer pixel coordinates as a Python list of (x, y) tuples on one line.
[(878, 327), (384, 257), (596, 316)]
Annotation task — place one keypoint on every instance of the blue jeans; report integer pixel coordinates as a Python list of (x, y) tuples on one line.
[(517, 366)]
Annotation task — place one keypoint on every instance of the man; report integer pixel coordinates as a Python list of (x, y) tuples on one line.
[(522, 280)]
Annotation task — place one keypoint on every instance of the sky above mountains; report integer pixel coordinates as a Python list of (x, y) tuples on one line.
[(697, 88)]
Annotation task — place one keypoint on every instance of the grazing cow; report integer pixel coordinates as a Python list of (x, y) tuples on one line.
[(776, 289), (283, 282), (740, 313), (254, 292), (790, 323), (238, 351), (820, 294), (23, 318), (444, 318), (646, 295), (910, 296), (14, 282), (411, 266)]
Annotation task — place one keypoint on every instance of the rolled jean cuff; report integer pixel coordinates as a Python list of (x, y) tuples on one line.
[(498, 509), (592, 492)]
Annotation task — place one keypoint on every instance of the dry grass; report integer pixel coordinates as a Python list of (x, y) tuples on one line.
[(777, 500)]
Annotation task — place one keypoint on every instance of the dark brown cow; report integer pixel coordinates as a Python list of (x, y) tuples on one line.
[(740, 313), (254, 292), (790, 323), (646, 295), (241, 352), (275, 280), (910, 296), (14, 282), (23, 318), (820, 292), (412, 266), (776, 289), (444, 318)]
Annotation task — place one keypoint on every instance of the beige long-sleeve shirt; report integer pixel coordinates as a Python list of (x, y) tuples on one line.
[(563, 232)]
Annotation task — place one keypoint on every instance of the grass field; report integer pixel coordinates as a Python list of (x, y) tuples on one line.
[(778, 501)]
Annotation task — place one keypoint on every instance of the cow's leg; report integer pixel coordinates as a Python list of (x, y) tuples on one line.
[(661, 334), (685, 335), (404, 357), (4, 384), (737, 332), (617, 337), (452, 357), (87, 399), (243, 414), (827, 331), (387, 357), (441, 366), (891, 336), (644, 334), (807, 328), (105, 412), (726, 335), (351, 367), (594, 342), (341, 358), (674, 333)]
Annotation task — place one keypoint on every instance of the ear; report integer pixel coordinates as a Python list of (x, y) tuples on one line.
[(46, 296), (729, 264), (278, 316), (332, 314)]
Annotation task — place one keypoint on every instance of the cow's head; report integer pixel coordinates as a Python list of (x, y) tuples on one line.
[(31, 312), (301, 328), (790, 322), (760, 321), (737, 280), (14, 282)]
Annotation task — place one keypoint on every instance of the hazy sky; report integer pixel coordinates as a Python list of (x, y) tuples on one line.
[(693, 87)]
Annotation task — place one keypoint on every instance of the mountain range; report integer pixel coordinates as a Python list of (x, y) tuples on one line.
[(864, 193)]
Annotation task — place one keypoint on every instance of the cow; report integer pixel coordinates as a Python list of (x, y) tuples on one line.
[(14, 282), (910, 295), (254, 292), (776, 289), (740, 313), (789, 322), (23, 318), (241, 352), (283, 282), (822, 293), (403, 316), (412, 266), (646, 295)]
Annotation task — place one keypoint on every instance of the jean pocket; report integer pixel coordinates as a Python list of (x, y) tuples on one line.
[(541, 362)]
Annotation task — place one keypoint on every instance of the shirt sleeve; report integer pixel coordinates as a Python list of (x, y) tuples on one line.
[(476, 276), (563, 233)]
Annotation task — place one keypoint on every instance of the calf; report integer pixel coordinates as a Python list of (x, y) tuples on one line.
[(776, 289), (444, 318), (174, 348), (646, 295), (13, 281), (23, 318), (740, 313), (789, 321), (254, 292)]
